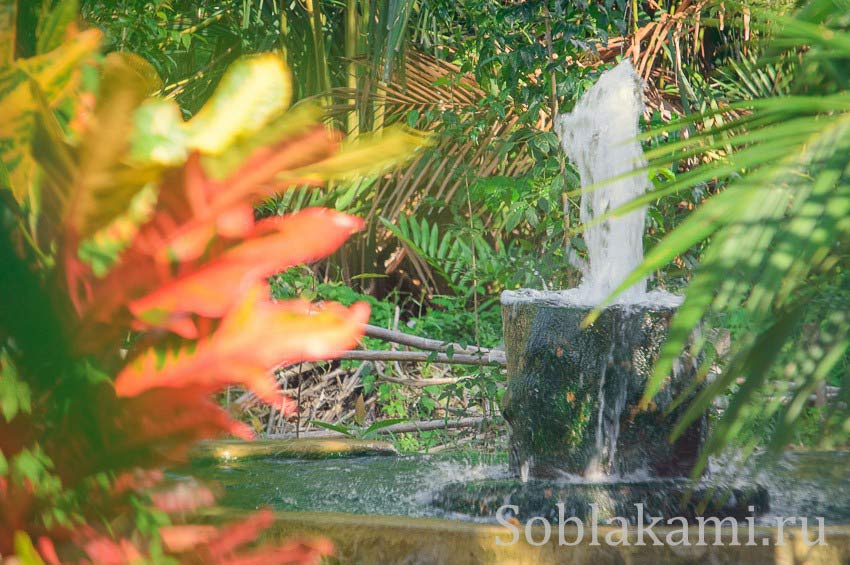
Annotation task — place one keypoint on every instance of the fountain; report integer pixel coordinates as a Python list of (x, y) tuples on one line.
[(580, 444), (573, 393)]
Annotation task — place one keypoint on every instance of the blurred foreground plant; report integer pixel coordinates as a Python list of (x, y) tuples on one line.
[(777, 259), (134, 283)]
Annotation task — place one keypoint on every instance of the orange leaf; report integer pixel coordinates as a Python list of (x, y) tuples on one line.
[(208, 199), (273, 245), (178, 539), (254, 337)]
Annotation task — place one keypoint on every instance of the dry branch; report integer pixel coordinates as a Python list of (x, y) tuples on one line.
[(406, 427), (494, 357), (425, 343)]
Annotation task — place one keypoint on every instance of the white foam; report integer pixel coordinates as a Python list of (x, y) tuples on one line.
[(576, 297), (600, 138)]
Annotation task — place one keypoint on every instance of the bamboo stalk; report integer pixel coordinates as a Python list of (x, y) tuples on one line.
[(351, 35), (314, 11), (550, 52)]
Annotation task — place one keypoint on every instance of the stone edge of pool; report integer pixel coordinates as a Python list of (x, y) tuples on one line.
[(395, 539), (301, 448), (390, 539)]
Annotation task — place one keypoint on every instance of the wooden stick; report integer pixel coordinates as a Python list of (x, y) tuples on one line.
[(422, 383), (494, 358), (426, 343), (405, 427)]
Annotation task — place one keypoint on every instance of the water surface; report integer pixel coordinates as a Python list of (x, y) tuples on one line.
[(800, 484)]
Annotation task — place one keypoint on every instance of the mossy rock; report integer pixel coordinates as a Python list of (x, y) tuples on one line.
[(573, 395), (663, 497)]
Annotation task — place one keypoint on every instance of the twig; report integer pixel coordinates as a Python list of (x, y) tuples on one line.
[(494, 357), (422, 383), (406, 427), (422, 342)]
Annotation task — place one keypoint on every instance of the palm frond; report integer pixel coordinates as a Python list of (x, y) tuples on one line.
[(779, 240)]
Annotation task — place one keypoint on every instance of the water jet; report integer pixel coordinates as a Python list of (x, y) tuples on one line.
[(573, 393), (579, 439)]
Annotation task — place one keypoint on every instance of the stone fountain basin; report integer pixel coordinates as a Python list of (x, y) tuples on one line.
[(393, 539), (378, 507), (573, 400)]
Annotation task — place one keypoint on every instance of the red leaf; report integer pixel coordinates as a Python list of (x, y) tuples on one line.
[(272, 246), (178, 539), (193, 214), (307, 551), (240, 533), (209, 544), (105, 551), (48, 551), (183, 497), (254, 337)]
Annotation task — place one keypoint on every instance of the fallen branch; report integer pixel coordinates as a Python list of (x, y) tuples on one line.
[(426, 343), (405, 427), (493, 358), (422, 383)]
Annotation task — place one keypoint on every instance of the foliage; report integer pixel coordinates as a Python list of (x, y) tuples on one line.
[(777, 258), (491, 203), (139, 275), (443, 316)]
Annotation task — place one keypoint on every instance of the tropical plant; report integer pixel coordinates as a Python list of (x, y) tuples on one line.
[(777, 259), (139, 276)]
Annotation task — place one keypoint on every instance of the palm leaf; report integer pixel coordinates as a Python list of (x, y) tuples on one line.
[(777, 234)]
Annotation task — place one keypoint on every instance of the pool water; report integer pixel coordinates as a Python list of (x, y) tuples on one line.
[(813, 484)]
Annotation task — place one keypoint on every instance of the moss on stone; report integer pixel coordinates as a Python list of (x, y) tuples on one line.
[(558, 373)]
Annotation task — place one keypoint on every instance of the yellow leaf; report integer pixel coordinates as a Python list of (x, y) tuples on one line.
[(97, 198), (367, 155), (159, 134), (146, 71), (8, 16), (253, 91), (360, 410), (53, 70), (296, 122), (52, 28), (24, 550), (54, 74)]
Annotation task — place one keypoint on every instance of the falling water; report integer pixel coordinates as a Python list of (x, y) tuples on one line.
[(600, 137)]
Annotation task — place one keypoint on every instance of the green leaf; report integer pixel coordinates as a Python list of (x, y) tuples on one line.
[(384, 424), (332, 427), (52, 29), (15, 395), (360, 410), (435, 241)]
